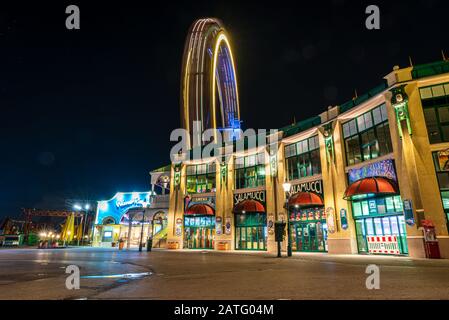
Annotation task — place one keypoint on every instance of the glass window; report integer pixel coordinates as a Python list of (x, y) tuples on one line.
[(369, 227), (381, 209), (426, 93), (383, 111), (357, 207), (389, 204), (346, 130), (438, 91), (306, 162), (250, 171), (290, 150), (386, 226), (199, 179), (401, 224), (394, 225), (397, 203), (378, 226), (443, 114), (445, 199), (377, 116), (370, 138), (365, 208), (361, 123), (436, 112)]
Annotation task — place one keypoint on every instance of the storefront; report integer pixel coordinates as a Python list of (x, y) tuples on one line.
[(250, 221), (307, 217), (121, 219), (441, 162), (199, 223), (377, 209)]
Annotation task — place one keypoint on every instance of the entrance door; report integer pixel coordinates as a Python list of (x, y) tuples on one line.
[(309, 236), (361, 236), (198, 238)]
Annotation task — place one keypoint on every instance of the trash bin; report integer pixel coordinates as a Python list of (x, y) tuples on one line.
[(149, 244)]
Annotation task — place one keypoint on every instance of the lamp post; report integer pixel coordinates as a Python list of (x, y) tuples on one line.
[(77, 207), (86, 207), (286, 186), (141, 231)]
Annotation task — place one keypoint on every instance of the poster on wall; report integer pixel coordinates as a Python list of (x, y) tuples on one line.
[(178, 230), (218, 225), (408, 212), (270, 224), (344, 219), (330, 219), (228, 226)]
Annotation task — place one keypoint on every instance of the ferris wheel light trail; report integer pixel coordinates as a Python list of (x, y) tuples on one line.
[(209, 93)]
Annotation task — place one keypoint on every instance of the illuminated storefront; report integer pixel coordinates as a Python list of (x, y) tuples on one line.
[(250, 221), (199, 222), (377, 209), (125, 216), (308, 217), (441, 161)]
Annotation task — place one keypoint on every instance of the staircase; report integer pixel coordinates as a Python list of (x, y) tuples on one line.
[(160, 239)]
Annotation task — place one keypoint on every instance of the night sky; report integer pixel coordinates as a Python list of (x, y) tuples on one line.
[(86, 113)]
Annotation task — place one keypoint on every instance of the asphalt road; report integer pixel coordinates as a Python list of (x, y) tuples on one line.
[(113, 274)]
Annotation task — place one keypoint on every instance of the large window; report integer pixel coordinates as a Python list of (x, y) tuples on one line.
[(435, 102), (250, 171), (251, 231), (200, 178), (303, 158), (441, 161), (367, 136)]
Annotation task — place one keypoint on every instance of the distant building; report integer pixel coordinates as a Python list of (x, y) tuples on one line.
[(127, 214)]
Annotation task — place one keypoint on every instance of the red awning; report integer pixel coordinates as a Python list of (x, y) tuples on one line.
[(247, 206), (200, 208), (371, 186), (305, 200)]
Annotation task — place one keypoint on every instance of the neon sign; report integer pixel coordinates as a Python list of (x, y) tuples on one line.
[(119, 205)]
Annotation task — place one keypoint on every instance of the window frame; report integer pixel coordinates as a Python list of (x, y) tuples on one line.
[(300, 157), (206, 176), (246, 164), (351, 131)]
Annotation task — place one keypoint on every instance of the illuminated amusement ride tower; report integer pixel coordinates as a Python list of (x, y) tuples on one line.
[(209, 94)]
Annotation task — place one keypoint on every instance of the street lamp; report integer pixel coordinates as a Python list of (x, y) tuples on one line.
[(83, 223), (141, 231), (86, 212), (286, 186)]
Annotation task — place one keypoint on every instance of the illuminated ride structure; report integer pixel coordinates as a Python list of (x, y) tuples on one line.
[(209, 94)]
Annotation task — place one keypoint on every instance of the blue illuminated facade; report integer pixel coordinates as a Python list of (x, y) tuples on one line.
[(112, 211)]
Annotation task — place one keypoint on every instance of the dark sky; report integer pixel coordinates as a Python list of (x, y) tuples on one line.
[(89, 112)]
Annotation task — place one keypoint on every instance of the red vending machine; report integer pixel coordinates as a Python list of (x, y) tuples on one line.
[(430, 240)]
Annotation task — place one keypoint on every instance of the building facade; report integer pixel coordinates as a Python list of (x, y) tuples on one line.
[(133, 217), (365, 177)]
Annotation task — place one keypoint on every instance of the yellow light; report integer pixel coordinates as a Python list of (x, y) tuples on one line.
[(222, 37)]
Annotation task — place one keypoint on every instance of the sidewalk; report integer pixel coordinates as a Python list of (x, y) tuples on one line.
[(356, 259)]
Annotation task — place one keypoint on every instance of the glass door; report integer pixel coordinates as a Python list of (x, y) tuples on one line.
[(361, 236)]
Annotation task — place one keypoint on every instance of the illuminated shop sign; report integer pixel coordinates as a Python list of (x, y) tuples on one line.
[(311, 186), (116, 207), (384, 168), (253, 195), (190, 200)]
